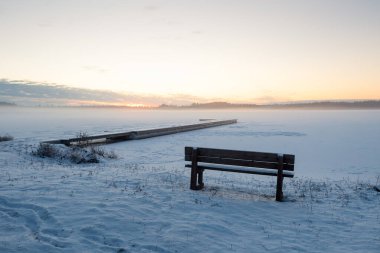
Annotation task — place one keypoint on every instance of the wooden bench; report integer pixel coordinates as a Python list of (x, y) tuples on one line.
[(260, 163)]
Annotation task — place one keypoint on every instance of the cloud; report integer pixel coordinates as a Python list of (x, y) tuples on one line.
[(197, 32), (267, 100), (151, 7), (94, 68), (34, 93), (44, 25)]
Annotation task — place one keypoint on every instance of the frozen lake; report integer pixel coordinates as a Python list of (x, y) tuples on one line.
[(141, 202), (341, 143)]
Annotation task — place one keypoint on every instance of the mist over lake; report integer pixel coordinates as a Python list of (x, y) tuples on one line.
[(327, 142)]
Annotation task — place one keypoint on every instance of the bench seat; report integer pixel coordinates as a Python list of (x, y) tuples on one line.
[(249, 162)]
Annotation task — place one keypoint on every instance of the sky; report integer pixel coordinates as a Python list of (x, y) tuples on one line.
[(235, 51)]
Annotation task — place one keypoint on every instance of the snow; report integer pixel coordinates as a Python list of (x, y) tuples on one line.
[(141, 201)]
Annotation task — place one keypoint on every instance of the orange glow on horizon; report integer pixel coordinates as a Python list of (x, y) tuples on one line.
[(115, 104)]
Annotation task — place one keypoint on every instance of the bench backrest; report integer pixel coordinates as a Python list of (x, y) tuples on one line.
[(240, 158)]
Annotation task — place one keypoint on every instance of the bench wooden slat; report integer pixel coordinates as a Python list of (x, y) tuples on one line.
[(238, 170), (240, 155), (249, 162), (237, 162)]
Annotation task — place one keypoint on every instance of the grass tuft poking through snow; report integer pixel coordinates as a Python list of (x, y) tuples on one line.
[(74, 154), (83, 141), (102, 152), (6, 137), (46, 150)]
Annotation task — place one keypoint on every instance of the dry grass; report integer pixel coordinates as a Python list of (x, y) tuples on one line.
[(45, 150), (6, 137), (75, 154)]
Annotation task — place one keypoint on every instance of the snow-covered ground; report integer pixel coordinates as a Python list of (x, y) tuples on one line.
[(141, 201)]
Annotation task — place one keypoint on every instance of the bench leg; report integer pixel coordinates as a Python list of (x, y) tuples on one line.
[(279, 193), (196, 179), (280, 179), (200, 179), (196, 174), (193, 179)]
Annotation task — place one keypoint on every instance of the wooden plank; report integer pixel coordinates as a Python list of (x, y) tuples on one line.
[(188, 152), (188, 158), (245, 163), (237, 170), (236, 154), (242, 155)]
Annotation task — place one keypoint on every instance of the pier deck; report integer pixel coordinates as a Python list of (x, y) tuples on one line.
[(141, 134)]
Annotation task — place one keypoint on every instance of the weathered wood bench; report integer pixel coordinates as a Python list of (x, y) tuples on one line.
[(260, 163)]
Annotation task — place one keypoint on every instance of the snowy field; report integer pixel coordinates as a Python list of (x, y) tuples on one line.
[(141, 202)]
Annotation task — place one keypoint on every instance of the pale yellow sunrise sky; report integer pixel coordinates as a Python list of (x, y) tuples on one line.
[(238, 51)]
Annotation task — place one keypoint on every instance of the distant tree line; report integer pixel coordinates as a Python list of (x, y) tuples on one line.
[(7, 104), (366, 104)]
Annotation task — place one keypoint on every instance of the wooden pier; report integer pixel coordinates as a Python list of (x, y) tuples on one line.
[(137, 135)]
